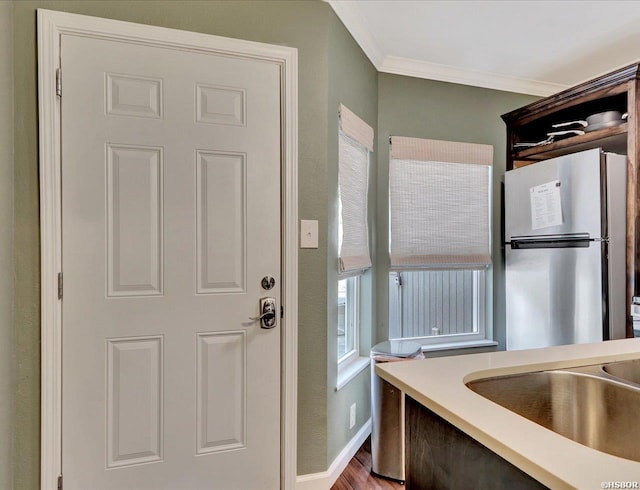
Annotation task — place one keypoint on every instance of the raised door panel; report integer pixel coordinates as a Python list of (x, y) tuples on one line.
[(130, 95), (134, 220), (221, 222), (222, 410), (220, 105), (134, 401)]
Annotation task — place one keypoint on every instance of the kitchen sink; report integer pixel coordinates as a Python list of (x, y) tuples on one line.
[(582, 404)]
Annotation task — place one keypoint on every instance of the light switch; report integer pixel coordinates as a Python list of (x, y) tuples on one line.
[(308, 233)]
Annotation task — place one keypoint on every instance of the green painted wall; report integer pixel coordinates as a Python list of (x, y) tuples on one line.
[(6, 238), (443, 111), (301, 24), (332, 69), (353, 82)]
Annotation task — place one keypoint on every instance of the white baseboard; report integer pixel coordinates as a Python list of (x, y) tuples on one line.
[(325, 479)]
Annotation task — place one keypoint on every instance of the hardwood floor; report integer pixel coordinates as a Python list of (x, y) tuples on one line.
[(357, 475)]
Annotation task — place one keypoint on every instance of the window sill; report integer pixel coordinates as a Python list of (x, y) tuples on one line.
[(350, 370), (458, 345)]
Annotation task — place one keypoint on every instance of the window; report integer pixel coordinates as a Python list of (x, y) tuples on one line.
[(355, 144), (433, 307), (439, 240), (348, 307)]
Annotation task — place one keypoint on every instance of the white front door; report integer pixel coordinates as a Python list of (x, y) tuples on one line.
[(170, 219)]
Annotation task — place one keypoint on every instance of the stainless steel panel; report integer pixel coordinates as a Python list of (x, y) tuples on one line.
[(616, 211), (387, 428), (579, 176), (589, 410), (554, 296)]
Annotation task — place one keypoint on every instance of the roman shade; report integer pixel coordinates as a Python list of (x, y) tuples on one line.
[(355, 128), (440, 204), (355, 143)]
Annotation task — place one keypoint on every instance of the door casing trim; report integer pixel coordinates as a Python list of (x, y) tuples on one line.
[(53, 24)]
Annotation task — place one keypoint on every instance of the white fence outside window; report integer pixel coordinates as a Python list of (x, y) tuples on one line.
[(436, 305)]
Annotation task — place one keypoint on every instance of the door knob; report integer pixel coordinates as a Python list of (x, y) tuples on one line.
[(267, 315)]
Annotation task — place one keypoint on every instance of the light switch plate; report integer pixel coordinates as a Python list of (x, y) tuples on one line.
[(308, 233)]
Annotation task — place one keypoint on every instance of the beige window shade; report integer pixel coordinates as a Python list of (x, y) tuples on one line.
[(440, 204), (355, 128), (353, 177)]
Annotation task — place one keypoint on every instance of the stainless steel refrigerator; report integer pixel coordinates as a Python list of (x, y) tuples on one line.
[(565, 228)]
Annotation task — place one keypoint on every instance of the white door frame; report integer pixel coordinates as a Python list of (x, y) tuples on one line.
[(51, 25)]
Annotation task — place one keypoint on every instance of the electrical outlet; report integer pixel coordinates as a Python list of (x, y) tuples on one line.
[(352, 416)]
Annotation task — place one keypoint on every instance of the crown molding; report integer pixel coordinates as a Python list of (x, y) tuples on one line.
[(453, 74), (348, 13)]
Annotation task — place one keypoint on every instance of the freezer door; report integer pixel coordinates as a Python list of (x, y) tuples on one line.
[(554, 296), (579, 177)]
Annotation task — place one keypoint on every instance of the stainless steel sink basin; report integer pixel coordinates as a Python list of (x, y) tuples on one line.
[(591, 410), (625, 370)]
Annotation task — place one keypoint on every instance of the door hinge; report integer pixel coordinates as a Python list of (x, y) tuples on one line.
[(60, 482), (59, 82), (59, 285)]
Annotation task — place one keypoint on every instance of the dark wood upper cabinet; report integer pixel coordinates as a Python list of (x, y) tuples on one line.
[(615, 91)]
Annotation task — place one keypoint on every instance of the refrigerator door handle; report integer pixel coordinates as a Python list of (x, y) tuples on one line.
[(551, 242), (563, 236)]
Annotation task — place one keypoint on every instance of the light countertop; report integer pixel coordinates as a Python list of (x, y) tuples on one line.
[(554, 460)]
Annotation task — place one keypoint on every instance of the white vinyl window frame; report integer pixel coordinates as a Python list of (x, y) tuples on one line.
[(351, 320), (351, 362)]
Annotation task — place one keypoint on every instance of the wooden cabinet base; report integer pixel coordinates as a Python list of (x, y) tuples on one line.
[(440, 456)]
